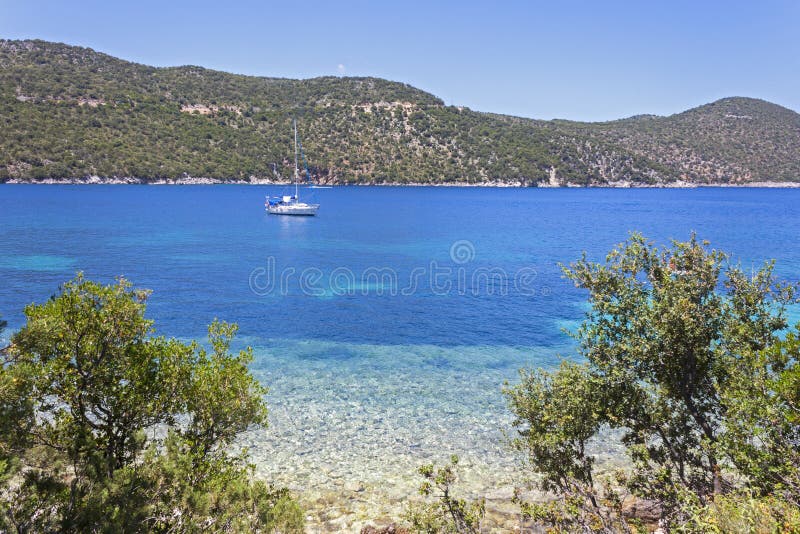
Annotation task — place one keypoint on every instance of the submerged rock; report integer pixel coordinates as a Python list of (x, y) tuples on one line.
[(391, 528), (504, 493), (648, 511), (353, 486)]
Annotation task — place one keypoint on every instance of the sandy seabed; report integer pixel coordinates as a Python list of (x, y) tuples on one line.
[(347, 437)]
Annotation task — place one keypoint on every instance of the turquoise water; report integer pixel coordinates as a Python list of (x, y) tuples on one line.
[(385, 326)]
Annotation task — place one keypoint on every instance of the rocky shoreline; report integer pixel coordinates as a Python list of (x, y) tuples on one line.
[(189, 180)]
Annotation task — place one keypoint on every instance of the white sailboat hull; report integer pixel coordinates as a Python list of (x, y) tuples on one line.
[(299, 208), (291, 205)]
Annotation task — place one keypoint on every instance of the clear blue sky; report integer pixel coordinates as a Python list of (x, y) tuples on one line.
[(590, 60)]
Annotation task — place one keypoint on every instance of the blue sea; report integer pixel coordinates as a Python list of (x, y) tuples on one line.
[(386, 326)]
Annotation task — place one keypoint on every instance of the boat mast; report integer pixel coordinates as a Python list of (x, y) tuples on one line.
[(295, 160)]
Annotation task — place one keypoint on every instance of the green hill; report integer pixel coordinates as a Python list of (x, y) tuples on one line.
[(730, 140), (71, 112)]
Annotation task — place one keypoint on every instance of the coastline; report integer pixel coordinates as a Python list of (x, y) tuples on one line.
[(96, 180)]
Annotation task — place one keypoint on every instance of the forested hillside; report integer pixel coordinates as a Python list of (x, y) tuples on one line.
[(71, 112)]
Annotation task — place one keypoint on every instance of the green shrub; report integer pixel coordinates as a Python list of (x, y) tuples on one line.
[(109, 428)]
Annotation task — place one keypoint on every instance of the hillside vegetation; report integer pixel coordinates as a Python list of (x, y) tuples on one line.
[(71, 112)]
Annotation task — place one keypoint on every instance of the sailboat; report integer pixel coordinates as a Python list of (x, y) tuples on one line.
[(290, 204)]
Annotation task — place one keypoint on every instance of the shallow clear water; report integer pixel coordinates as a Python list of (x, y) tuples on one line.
[(385, 326)]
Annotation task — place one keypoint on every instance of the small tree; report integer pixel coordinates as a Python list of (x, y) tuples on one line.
[(110, 427), (563, 411), (673, 340), (445, 513)]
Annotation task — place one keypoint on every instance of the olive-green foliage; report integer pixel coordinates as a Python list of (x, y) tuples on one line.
[(684, 358), (564, 410), (742, 513), (70, 112), (110, 428), (557, 415), (444, 513), (572, 511), (763, 418)]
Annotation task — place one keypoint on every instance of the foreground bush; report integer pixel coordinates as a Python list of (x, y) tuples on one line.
[(686, 358), (110, 428)]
